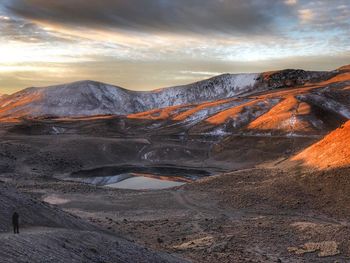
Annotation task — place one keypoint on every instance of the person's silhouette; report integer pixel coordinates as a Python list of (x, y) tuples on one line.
[(15, 222)]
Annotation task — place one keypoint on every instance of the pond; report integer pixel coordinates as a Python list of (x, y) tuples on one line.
[(138, 178), (145, 183)]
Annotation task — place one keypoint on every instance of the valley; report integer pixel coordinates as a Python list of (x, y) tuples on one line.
[(237, 168)]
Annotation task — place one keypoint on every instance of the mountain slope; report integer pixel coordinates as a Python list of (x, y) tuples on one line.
[(293, 103), (47, 234), (330, 152), (89, 98), (281, 103)]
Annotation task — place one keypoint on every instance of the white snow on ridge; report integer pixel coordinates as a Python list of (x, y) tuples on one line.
[(220, 87), (326, 103), (242, 81), (88, 98)]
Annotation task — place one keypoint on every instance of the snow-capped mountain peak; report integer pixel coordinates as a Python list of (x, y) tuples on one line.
[(89, 98)]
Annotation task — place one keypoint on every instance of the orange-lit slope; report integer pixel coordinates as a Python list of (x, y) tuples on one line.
[(234, 118), (13, 109), (160, 114), (289, 116), (233, 113), (338, 78), (198, 108), (331, 152), (177, 113)]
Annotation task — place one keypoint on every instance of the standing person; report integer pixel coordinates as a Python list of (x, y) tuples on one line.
[(15, 222)]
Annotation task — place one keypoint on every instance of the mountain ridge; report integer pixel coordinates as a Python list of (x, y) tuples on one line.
[(89, 98)]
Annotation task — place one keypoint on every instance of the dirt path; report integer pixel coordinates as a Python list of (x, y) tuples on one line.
[(205, 209), (212, 209)]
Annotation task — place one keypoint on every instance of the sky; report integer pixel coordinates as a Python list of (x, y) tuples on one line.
[(149, 44)]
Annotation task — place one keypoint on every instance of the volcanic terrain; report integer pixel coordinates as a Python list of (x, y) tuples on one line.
[(236, 168)]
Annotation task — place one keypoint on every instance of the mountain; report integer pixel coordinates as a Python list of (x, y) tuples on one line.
[(90, 98), (332, 151), (87, 98), (289, 103)]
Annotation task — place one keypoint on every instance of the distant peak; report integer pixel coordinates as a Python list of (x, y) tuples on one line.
[(346, 67)]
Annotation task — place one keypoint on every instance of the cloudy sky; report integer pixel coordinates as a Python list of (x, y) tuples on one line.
[(149, 44)]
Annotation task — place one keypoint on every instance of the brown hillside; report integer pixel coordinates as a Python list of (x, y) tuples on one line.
[(331, 152)]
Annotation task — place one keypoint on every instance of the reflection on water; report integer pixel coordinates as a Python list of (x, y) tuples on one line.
[(104, 180), (135, 181), (145, 183)]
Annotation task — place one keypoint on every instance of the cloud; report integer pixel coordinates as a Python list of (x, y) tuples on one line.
[(155, 43), (326, 17), (4, 18), (291, 2), (184, 16), (21, 30), (306, 15)]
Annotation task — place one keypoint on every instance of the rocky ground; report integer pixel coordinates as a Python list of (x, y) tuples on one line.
[(47, 234), (253, 215), (271, 213)]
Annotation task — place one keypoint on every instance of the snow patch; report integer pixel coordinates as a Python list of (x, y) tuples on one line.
[(327, 104), (88, 98), (57, 130)]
